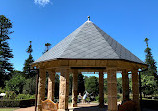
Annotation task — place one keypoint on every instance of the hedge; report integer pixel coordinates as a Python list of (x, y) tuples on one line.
[(17, 103), (152, 104)]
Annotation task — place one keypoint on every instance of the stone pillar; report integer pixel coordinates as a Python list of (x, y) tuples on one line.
[(101, 89), (112, 90), (64, 90), (125, 85), (51, 84), (41, 88), (135, 88), (74, 88)]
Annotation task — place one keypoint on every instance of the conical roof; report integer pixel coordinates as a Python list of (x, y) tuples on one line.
[(88, 42)]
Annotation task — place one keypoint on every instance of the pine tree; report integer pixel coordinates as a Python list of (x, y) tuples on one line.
[(5, 52), (149, 77), (47, 47), (26, 68), (152, 69)]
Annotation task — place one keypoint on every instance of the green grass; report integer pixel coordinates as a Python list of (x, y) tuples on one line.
[(8, 109)]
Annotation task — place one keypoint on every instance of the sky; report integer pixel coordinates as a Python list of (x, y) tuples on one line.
[(127, 21)]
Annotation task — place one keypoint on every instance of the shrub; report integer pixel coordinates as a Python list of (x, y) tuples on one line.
[(88, 99), (152, 104), (15, 83), (2, 90), (30, 86), (97, 98), (118, 96), (70, 99), (9, 103), (24, 96), (9, 95), (17, 103), (105, 98)]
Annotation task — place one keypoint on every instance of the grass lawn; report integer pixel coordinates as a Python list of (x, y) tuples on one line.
[(8, 109)]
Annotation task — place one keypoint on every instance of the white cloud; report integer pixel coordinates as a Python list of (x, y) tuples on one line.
[(42, 2)]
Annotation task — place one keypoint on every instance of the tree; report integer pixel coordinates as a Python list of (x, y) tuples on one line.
[(119, 85), (29, 49), (30, 86), (47, 47), (149, 77), (92, 85), (5, 52), (26, 68), (70, 84), (81, 86), (149, 60), (148, 85), (16, 83), (56, 94), (105, 85), (130, 83)]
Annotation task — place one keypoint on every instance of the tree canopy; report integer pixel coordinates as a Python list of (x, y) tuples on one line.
[(92, 85), (47, 47), (16, 83), (149, 78), (5, 52), (81, 84), (28, 61)]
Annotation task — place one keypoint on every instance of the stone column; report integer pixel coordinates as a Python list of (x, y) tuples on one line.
[(41, 88), (74, 88), (51, 84), (64, 90), (125, 85), (135, 88), (112, 90), (101, 89)]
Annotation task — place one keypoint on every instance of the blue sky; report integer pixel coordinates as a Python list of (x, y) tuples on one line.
[(42, 21)]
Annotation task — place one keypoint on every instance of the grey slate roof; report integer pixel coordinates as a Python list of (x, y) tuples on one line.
[(88, 42)]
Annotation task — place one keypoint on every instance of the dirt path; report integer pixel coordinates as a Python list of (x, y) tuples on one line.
[(26, 109)]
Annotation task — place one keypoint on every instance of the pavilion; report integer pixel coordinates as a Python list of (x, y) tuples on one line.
[(88, 49)]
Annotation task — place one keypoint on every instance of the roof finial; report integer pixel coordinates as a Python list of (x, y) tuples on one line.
[(88, 18)]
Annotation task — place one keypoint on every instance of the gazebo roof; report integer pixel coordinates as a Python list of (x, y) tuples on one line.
[(89, 42)]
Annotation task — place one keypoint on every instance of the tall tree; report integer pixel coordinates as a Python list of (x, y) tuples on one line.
[(47, 47), (152, 69), (149, 77), (26, 68), (5, 52), (29, 49)]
